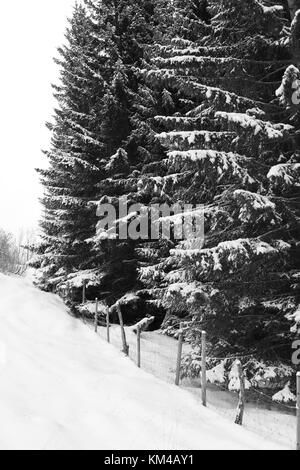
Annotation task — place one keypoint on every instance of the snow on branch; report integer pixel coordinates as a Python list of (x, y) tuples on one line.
[(187, 140), (285, 395), (253, 206), (143, 325), (262, 129), (231, 256), (285, 176), (225, 166)]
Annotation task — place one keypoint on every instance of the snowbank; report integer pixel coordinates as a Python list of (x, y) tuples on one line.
[(62, 387)]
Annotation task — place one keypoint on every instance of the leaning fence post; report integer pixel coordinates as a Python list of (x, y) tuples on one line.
[(298, 410), (107, 326), (179, 354), (96, 316), (241, 405), (84, 292), (203, 369), (138, 346), (123, 334)]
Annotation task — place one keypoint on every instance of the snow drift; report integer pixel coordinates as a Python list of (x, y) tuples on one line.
[(62, 387)]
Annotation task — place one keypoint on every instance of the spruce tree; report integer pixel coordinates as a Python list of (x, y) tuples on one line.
[(98, 137), (129, 32), (226, 136), (77, 158)]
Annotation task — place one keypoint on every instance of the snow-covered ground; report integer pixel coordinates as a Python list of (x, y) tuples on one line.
[(159, 357), (63, 387)]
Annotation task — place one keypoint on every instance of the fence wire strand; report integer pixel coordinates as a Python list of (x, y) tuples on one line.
[(275, 421)]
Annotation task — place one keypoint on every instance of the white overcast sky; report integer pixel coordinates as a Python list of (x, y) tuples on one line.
[(30, 32)]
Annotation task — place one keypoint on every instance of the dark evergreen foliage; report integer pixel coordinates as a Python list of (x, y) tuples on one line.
[(188, 102)]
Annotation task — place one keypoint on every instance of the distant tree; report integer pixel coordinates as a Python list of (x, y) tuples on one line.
[(11, 258)]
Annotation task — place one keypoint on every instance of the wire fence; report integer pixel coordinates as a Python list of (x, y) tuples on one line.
[(158, 355)]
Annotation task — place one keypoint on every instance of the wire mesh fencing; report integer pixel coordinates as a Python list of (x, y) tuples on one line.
[(158, 355)]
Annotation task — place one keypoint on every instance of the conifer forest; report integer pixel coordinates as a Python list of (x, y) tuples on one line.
[(180, 102)]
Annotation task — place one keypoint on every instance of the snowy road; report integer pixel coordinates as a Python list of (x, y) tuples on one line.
[(62, 387)]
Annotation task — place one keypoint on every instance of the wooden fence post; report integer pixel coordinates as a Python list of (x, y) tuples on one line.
[(123, 334), (298, 410), (241, 405), (84, 292), (139, 346), (203, 369), (96, 316), (107, 326), (179, 355)]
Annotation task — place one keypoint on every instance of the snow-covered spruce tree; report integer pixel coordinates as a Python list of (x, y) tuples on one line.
[(285, 176), (225, 137), (74, 156), (134, 171), (123, 29), (95, 118)]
